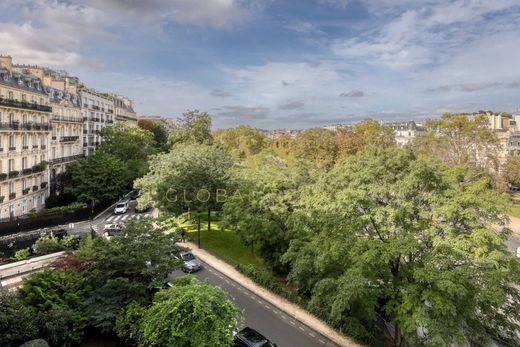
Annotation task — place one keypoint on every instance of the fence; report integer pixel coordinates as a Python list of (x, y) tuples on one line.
[(20, 224)]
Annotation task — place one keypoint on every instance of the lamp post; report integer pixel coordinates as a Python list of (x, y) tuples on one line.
[(198, 227)]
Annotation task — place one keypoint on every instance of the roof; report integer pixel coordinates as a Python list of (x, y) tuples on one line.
[(23, 81)]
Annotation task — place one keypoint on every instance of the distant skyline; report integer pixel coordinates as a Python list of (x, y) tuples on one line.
[(279, 63)]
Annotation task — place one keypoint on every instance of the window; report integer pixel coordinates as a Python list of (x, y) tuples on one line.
[(24, 163), (11, 187), (11, 165), (12, 142), (24, 183), (24, 97), (24, 207), (10, 95)]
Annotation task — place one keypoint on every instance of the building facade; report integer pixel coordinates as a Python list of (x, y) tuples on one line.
[(98, 112), (25, 128), (124, 110), (405, 132)]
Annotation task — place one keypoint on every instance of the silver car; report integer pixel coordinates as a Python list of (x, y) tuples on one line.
[(189, 262)]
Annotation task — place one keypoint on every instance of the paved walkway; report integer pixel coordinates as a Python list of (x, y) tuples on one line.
[(514, 224), (284, 305)]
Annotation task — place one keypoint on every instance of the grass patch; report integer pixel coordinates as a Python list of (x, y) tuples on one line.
[(222, 242)]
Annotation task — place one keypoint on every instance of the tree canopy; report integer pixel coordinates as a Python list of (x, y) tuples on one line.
[(192, 127), (190, 314), (388, 236)]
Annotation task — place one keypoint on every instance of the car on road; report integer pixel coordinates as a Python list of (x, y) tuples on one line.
[(249, 337), (112, 229), (189, 262), (121, 207), (142, 209)]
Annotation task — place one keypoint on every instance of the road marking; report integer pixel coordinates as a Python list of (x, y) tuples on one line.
[(321, 341), (124, 217), (312, 335), (301, 328), (283, 317), (110, 218), (267, 307), (116, 218), (292, 322)]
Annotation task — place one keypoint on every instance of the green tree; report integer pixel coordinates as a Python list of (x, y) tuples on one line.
[(105, 302), (55, 290), (17, 321), (388, 235), (460, 140), (192, 127), (316, 145), (127, 142), (191, 314), (260, 210), (373, 133), (132, 145), (142, 255), (243, 141), (128, 323), (511, 170), (99, 178), (189, 177)]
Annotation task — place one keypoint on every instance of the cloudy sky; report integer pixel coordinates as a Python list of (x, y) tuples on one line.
[(279, 63)]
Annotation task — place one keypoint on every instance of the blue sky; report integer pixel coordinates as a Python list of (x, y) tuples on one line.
[(279, 63)]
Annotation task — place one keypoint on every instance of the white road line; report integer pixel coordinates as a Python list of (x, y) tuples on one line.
[(116, 218), (110, 218), (124, 217), (321, 341), (312, 335), (301, 328)]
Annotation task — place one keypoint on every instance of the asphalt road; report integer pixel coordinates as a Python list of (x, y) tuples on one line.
[(260, 315)]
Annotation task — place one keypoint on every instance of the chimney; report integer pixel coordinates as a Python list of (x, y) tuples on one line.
[(6, 62)]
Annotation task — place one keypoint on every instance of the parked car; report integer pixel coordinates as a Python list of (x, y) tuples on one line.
[(249, 337), (134, 194), (142, 209), (189, 262), (121, 207), (515, 189), (112, 229)]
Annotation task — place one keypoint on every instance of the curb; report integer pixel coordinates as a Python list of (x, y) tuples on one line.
[(289, 308)]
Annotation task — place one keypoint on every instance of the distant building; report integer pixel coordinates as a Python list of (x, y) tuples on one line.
[(405, 132), (513, 144), (98, 112), (124, 110), (167, 122)]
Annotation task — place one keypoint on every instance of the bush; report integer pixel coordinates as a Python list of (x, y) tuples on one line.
[(47, 244), (17, 321), (36, 343), (128, 323), (22, 254), (267, 280)]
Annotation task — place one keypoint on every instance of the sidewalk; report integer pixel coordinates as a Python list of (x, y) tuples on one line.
[(284, 305), (514, 224)]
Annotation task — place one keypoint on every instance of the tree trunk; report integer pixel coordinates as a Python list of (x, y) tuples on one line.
[(209, 219)]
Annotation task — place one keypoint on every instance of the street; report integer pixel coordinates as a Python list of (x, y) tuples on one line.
[(260, 315)]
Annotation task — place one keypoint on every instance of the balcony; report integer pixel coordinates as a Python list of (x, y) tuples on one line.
[(3, 177), (26, 191), (24, 148), (15, 125), (43, 185), (35, 146), (27, 171), (35, 188), (69, 138), (24, 105), (110, 121), (110, 111), (56, 117), (43, 146), (65, 159), (12, 149), (13, 174), (12, 196)]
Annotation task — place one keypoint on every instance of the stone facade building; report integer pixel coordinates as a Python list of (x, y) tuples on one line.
[(25, 115), (98, 112)]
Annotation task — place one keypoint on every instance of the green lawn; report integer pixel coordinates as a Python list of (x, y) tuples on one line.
[(223, 243)]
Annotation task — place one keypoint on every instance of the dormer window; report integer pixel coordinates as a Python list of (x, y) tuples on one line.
[(20, 81)]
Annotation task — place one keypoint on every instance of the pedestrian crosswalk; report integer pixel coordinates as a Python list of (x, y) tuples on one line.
[(123, 217)]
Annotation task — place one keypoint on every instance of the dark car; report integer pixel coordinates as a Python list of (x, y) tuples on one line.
[(142, 209), (249, 337)]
